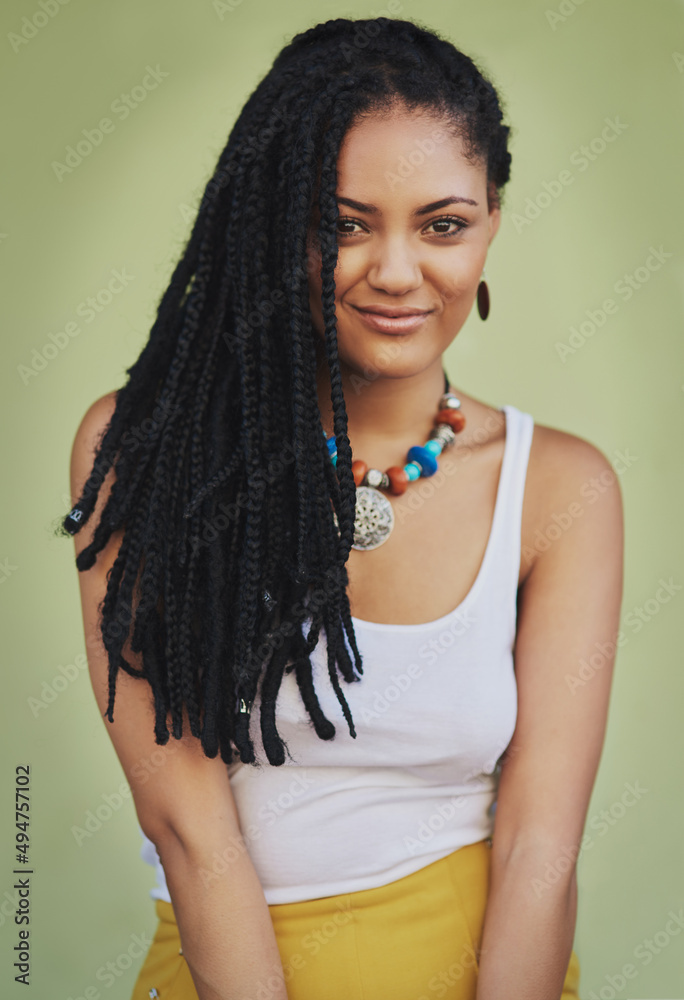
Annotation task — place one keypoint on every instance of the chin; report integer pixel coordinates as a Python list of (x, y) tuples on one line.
[(388, 361)]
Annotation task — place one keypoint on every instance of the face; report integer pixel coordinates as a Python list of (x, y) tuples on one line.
[(413, 234)]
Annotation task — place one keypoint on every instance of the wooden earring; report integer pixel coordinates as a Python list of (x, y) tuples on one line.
[(483, 298)]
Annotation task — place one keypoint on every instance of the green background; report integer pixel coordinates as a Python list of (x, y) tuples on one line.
[(129, 204)]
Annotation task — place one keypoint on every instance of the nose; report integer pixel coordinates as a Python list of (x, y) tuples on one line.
[(394, 267)]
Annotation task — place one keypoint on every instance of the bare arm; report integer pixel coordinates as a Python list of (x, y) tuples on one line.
[(568, 612), (185, 805)]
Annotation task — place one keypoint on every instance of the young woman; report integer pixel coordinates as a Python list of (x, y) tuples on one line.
[(335, 606)]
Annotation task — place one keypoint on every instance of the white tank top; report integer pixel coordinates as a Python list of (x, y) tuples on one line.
[(434, 711)]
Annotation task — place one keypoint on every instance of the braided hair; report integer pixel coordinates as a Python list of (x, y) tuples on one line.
[(227, 500)]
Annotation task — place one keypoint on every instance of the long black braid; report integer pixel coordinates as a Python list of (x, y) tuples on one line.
[(227, 501)]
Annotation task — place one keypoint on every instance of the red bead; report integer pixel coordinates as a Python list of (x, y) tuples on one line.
[(454, 418), (359, 470), (398, 479)]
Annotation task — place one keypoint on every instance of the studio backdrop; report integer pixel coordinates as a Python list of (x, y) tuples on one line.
[(114, 115)]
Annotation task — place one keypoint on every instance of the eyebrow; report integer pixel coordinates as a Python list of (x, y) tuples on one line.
[(432, 207)]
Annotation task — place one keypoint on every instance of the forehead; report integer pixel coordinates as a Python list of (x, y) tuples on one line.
[(404, 153)]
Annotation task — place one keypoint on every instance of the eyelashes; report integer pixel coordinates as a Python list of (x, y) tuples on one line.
[(461, 225)]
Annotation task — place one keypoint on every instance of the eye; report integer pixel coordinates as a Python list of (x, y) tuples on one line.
[(346, 221), (449, 220)]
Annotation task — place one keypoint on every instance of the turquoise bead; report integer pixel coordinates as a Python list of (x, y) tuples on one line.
[(422, 457), (412, 471), (433, 446)]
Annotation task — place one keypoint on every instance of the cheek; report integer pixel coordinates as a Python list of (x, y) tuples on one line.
[(457, 293), (459, 283)]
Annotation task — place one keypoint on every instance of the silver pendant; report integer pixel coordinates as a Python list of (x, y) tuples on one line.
[(374, 518)]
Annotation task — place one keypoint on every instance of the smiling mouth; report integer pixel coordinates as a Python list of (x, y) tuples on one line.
[(393, 311), (394, 320)]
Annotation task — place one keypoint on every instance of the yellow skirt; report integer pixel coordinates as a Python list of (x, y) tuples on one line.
[(417, 938)]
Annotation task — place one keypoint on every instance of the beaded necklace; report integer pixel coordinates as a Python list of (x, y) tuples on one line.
[(374, 518)]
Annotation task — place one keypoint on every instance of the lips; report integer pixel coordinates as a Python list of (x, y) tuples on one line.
[(393, 319), (393, 311)]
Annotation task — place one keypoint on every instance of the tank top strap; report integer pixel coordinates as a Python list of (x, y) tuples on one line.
[(513, 476)]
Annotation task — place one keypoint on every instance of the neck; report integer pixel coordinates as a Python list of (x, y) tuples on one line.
[(386, 416)]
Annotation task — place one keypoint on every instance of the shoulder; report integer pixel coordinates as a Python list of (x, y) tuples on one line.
[(93, 424), (568, 466), (88, 436), (570, 481), (561, 465), (566, 637), (91, 428)]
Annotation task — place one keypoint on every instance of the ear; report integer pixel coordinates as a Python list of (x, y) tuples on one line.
[(494, 221), (494, 211)]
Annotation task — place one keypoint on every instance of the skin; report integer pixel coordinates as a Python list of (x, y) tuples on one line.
[(392, 258), (570, 589), (184, 801), (392, 382), (568, 599)]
